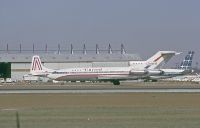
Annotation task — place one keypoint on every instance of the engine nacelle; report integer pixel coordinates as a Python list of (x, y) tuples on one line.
[(146, 72), (138, 72), (155, 72)]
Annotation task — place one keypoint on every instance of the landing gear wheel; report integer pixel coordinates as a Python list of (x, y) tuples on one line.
[(154, 80), (116, 82)]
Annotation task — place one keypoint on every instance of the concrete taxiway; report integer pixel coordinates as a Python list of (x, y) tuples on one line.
[(46, 91), (128, 87)]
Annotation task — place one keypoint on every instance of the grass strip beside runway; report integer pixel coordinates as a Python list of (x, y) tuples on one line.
[(124, 110)]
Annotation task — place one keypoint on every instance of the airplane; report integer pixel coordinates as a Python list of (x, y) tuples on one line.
[(185, 68), (135, 70)]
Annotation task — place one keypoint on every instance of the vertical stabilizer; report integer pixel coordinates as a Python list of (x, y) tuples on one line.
[(37, 69), (159, 59), (186, 64)]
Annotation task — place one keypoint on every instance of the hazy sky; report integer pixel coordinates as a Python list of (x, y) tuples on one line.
[(144, 26)]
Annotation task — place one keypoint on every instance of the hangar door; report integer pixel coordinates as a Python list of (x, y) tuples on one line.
[(5, 70)]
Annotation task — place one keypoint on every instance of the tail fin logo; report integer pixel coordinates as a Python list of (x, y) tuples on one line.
[(154, 62), (187, 62), (158, 58), (36, 64)]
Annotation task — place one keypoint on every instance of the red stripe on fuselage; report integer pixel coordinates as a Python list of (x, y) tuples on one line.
[(75, 76)]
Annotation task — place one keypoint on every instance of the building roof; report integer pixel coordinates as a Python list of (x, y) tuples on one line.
[(60, 58)]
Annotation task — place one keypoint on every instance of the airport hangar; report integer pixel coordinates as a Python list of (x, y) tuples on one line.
[(21, 62)]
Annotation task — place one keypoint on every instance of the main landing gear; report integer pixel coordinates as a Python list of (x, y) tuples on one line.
[(116, 82)]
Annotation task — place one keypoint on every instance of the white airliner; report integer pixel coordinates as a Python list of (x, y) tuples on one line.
[(135, 70)]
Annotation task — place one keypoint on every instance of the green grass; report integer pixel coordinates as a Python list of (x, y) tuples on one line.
[(103, 117)]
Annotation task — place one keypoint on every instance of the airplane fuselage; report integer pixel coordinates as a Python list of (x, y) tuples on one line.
[(135, 70), (100, 73)]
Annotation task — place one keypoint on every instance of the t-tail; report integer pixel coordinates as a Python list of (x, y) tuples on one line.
[(186, 64), (37, 69), (154, 62), (159, 59)]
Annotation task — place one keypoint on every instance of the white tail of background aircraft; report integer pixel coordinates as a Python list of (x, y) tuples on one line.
[(156, 61)]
